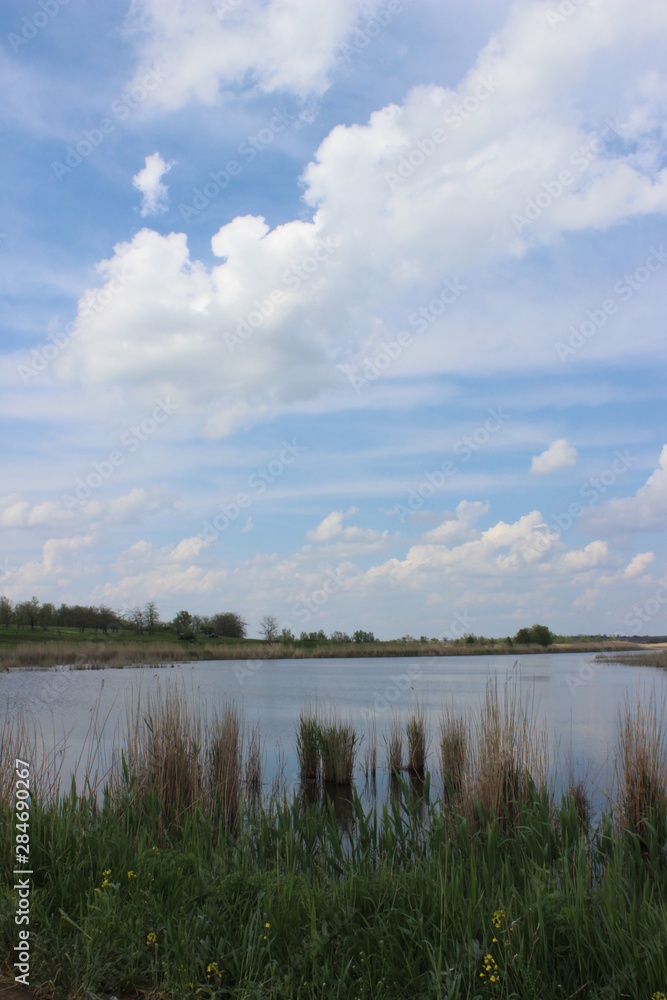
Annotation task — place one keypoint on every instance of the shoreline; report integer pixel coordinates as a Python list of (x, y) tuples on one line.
[(98, 655)]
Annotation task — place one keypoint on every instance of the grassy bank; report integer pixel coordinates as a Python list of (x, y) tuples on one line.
[(129, 651), (184, 881), (653, 658)]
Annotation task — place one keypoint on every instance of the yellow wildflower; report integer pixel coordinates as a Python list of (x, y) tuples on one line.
[(131, 874), (151, 940)]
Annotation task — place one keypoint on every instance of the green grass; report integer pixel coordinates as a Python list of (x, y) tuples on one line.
[(175, 884), (405, 910)]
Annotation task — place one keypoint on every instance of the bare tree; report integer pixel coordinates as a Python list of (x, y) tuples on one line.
[(137, 617), (151, 616), (268, 627)]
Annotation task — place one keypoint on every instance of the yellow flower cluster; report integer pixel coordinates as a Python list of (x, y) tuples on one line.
[(105, 877), (131, 875), (151, 940), (658, 995), (213, 970), (498, 919), (490, 969)]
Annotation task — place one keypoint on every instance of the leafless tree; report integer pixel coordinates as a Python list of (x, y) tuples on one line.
[(151, 616), (268, 627)]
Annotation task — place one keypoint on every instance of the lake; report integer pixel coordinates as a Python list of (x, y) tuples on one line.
[(578, 698)]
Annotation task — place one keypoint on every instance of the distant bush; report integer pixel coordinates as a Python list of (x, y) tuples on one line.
[(361, 636), (230, 625), (538, 635)]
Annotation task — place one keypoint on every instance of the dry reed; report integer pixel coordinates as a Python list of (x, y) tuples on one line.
[(308, 744), (224, 759), (417, 740), (253, 764), (454, 744), (641, 764), (371, 754), (509, 752), (394, 746), (338, 750)]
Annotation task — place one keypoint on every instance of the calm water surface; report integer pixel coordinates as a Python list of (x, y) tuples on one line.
[(578, 698)]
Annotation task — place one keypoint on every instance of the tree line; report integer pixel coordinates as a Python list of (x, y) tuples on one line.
[(140, 619), (225, 624)]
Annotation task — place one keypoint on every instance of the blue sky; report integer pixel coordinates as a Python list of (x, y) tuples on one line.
[(347, 313)]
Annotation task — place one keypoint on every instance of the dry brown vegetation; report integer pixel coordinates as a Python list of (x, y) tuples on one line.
[(394, 746), (417, 739), (641, 763), (162, 652), (454, 742), (338, 750), (650, 658), (508, 751), (176, 752)]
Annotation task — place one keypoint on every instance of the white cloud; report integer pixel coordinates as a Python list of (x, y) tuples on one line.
[(581, 560), (346, 541), (559, 455), (328, 529), (288, 311), (13, 510), (17, 512), (638, 564), (57, 568), (155, 194), (646, 511), (588, 599), (223, 47)]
